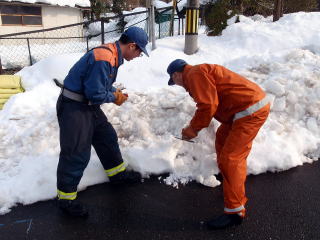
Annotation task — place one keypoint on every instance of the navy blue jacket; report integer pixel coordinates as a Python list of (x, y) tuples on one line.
[(94, 74)]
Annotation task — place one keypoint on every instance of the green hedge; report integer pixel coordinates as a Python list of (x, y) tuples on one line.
[(217, 13)]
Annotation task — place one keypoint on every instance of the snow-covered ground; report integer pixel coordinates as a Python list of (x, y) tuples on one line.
[(282, 57)]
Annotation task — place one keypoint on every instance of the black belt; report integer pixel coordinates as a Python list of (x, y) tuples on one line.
[(72, 95)]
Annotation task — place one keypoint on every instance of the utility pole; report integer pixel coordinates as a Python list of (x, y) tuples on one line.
[(192, 21), (152, 38)]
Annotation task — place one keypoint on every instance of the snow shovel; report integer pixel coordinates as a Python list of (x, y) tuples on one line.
[(191, 141)]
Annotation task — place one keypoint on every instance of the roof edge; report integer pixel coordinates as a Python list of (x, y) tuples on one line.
[(45, 4)]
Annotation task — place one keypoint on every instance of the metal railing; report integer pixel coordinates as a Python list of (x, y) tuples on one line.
[(22, 49)]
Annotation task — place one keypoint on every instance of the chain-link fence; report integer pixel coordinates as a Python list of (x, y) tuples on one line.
[(24, 49)]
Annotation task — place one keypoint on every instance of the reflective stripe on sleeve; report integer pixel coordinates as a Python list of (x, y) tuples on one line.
[(113, 171), (234, 210), (67, 196), (252, 109)]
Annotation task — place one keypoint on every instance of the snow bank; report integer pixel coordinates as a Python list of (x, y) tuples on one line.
[(282, 57)]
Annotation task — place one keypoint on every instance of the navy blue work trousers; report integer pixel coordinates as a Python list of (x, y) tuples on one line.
[(82, 125)]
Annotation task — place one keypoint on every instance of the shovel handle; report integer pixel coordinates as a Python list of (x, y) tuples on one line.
[(191, 141)]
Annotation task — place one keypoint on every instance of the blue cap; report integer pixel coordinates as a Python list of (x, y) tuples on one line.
[(139, 37), (175, 66)]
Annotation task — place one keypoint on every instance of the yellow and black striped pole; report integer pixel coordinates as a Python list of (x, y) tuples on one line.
[(192, 22)]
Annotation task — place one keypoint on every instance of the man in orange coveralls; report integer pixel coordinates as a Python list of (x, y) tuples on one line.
[(242, 108)]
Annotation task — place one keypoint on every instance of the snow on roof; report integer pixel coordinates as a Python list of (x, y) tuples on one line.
[(70, 3)]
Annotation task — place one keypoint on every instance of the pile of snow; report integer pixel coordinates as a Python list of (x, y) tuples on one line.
[(282, 57), (161, 4), (183, 3)]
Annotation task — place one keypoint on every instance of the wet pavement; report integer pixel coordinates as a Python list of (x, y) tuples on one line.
[(283, 205)]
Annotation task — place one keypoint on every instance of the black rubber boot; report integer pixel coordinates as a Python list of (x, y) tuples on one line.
[(126, 177), (73, 208), (224, 221)]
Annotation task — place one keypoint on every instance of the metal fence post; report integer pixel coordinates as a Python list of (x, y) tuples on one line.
[(182, 26), (102, 31), (174, 5), (55, 33), (152, 25), (87, 44), (30, 59), (152, 38), (148, 5)]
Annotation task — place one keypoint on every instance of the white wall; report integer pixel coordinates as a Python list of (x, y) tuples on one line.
[(52, 16)]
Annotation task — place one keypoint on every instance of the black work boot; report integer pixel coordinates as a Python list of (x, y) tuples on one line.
[(126, 177), (224, 221), (219, 177), (73, 208)]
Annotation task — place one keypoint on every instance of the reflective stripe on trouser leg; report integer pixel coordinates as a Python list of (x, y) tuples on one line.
[(234, 210), (240, 210), (105, 142), (233, 170), (221, 136), (76, 130), (66, 196), (232, 159), (113, 171)]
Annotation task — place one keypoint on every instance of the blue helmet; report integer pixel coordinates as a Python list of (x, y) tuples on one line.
[(138, 36), (175, 66)]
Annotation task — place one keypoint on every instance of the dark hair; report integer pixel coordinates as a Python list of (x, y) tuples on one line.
[(124, 39)]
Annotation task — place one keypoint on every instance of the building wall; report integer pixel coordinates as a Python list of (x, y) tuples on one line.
[(52, 16)]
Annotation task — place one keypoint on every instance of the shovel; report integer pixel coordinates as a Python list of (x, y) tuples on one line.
[(191, 141)]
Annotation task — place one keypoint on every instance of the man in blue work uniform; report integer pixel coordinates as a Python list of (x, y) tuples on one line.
[(82, 122)]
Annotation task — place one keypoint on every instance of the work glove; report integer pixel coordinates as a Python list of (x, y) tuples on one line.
[(120, 97), (118, 90), (188, 133)]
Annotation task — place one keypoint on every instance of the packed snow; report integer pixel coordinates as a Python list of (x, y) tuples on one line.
[(183, 3), (283, 57)]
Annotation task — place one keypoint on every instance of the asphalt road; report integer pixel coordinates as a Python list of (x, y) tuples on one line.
[(282, 205)]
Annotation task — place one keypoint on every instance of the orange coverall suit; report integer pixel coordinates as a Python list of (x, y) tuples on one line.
[(242, 108)]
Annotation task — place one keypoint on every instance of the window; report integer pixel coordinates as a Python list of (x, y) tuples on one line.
[(20, 15)]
